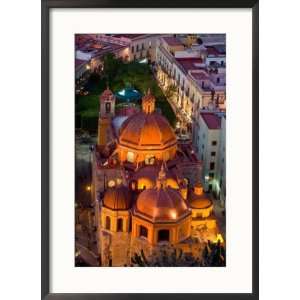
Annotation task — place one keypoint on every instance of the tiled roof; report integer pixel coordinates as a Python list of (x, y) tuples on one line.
[(190, 63), (172, 41), (211, 120)]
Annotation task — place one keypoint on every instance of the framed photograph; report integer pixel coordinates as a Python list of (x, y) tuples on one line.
[(150, 149)]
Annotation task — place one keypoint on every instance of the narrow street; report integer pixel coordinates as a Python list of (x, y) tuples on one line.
[(86, 246)]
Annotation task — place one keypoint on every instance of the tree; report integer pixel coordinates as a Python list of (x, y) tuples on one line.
[(111, 65), (213, 255)]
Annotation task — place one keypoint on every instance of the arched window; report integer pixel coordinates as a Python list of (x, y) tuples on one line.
[(163, 235), (120, 225), (143, 231), (107, 223)]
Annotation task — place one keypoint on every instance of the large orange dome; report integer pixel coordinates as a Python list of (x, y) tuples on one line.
[(161, 205), (147, 131)]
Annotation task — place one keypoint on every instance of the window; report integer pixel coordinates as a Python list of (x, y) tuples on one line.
[(218, 80), (212, 166), (143, 231), (130, 157), (137, 48), (143, 46), (107, 107), (211, 175), (120, 225), (213, 153), (149, 159), (107, 223), (214, 143), (132, 49), (163, 235)]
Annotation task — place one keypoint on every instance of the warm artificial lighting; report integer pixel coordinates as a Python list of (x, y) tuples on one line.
[(88, 188), (219, 238), (88, 67), (206, 177), (173, 214)]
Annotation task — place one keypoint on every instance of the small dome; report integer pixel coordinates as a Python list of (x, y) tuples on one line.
[(199, 201), (117, 198), (161, 205)]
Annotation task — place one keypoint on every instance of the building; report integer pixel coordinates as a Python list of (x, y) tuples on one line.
[(207, 139), (221, 168), (146, 186), (197, 75)]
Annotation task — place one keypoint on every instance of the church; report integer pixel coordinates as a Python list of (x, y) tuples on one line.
[(146, 185)]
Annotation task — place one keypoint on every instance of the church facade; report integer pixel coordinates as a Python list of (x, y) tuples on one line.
[(146, 185)]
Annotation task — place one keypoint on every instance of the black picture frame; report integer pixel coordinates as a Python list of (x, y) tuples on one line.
[(45, 147)]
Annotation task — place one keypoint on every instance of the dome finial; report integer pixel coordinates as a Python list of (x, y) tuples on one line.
[(161, 179)]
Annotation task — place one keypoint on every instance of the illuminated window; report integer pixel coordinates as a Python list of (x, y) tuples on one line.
[(143, 231), (130, 157), (111, 183), (149, 159), (120, 225), (163, 235), (107, 223)]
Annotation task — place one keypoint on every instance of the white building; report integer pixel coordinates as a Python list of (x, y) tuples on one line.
[(209, 140), (198, 82), (221, 170)]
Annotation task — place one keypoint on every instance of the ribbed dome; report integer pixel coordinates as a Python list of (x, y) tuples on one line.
[(161, 205), (117, 198), (147, 131)]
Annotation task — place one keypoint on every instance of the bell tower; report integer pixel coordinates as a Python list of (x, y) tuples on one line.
[(107, 102), (148, 103)]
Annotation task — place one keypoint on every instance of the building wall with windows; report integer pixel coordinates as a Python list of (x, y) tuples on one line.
[(208, 140), (143, 47), (221, 171)]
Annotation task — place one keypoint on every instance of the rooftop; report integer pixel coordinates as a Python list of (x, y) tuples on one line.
[(200, 75), (172, 41), (211, 120), (190, 63), (129, 35), (216, 50)]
